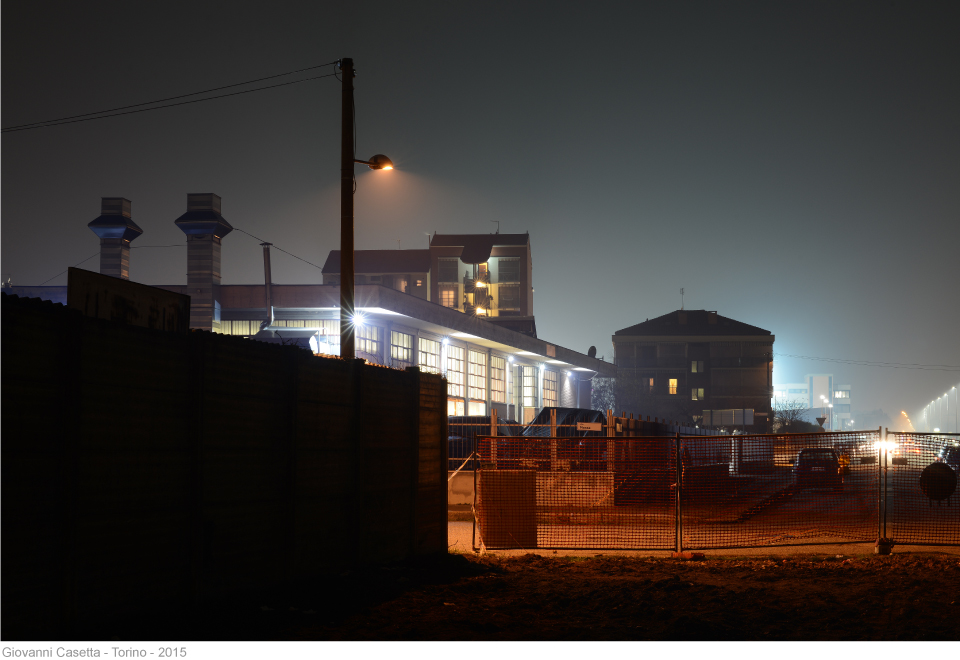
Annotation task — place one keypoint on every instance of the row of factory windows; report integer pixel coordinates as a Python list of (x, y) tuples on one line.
[(465, 369)]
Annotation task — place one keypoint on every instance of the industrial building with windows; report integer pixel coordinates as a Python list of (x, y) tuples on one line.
[(472, 322), (696, 366)]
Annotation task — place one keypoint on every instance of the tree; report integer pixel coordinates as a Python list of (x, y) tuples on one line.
[(603, 394), (788, 417)]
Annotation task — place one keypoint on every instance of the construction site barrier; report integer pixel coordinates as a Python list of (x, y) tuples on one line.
[(703, 492)]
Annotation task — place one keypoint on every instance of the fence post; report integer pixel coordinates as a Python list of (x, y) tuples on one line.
[(883, 544), (553, 439), (886, 478), (494, 423), (678, 504), (611, 433)]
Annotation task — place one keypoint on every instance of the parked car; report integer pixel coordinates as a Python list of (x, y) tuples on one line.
[(818, 467), (951, 456)]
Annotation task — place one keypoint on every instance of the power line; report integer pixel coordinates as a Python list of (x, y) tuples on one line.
[(101, 115), (871, 363), (279, 248), (82, 262), (173, 98)]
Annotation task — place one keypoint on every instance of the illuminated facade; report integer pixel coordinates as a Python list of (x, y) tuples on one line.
[(485, 275)]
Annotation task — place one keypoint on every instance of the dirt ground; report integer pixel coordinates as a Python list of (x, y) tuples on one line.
[(909, 596)]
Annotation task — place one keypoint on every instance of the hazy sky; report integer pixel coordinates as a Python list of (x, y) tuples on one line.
[(795, 166)]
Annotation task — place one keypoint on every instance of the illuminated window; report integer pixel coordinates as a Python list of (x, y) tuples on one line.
[(428, 352), (477, 408), (696, 394), (529, 387), (455, 371), (368, 340), (448, 297), (419, 282), (477, 383), (498, 379), (841, 394), (696, 367), (454, 408), (550, 388), (242, 328), (401, 346), (673, 386), (649, 386)]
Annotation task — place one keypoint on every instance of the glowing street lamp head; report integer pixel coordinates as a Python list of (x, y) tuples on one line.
[(358, 319), (380, 162)]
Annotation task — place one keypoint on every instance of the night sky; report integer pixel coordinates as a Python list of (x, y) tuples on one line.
[(795, 166)]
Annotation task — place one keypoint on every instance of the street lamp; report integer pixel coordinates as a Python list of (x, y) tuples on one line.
[(347, 161), (956, 410)]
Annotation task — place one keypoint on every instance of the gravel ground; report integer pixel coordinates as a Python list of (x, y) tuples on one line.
[(904, 596)]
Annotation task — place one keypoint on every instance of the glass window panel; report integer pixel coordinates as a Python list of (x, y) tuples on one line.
[(428, 352), (498, 379), (477, 367)]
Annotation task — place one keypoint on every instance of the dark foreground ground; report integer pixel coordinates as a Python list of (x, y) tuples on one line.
[(912, 596)]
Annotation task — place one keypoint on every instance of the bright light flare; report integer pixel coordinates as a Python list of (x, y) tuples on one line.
[(358, 319), (890, 445)]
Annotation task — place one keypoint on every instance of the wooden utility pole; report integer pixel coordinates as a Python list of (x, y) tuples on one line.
[(347, 309)]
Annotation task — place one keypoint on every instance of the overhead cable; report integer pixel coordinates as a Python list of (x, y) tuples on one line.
[(871, 363), (125, 110)]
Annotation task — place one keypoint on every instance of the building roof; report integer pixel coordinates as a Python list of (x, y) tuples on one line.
[(381, 261), (477, 247), (692, 322)]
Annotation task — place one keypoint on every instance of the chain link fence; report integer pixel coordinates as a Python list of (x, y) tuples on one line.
[(673, 493)]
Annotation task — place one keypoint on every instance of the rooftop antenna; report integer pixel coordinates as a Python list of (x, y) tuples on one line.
[(428, 238), (498, 225), (681, 299), (398, 243)]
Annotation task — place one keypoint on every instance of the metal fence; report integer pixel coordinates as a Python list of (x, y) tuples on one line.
[(920, 489), (674, 493)]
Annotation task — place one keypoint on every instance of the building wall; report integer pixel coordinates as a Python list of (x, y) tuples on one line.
[(145, 468), (524, 285), (736, 373)]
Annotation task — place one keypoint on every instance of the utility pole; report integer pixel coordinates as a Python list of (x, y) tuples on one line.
[(347, 309)]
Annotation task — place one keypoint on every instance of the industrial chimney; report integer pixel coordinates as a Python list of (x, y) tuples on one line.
[(267, 287), (205, 228), (116, 230)]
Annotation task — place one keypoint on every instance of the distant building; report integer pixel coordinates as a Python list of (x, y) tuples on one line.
[(809, 393), (485, 275), (698, 366)]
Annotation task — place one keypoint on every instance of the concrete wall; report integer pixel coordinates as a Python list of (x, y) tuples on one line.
[(143, 467)]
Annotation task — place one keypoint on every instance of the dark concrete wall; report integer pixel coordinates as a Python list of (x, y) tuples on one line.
[(143, 467)]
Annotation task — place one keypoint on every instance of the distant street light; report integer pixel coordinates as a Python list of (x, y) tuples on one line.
[(347, 160), (956, 410)]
